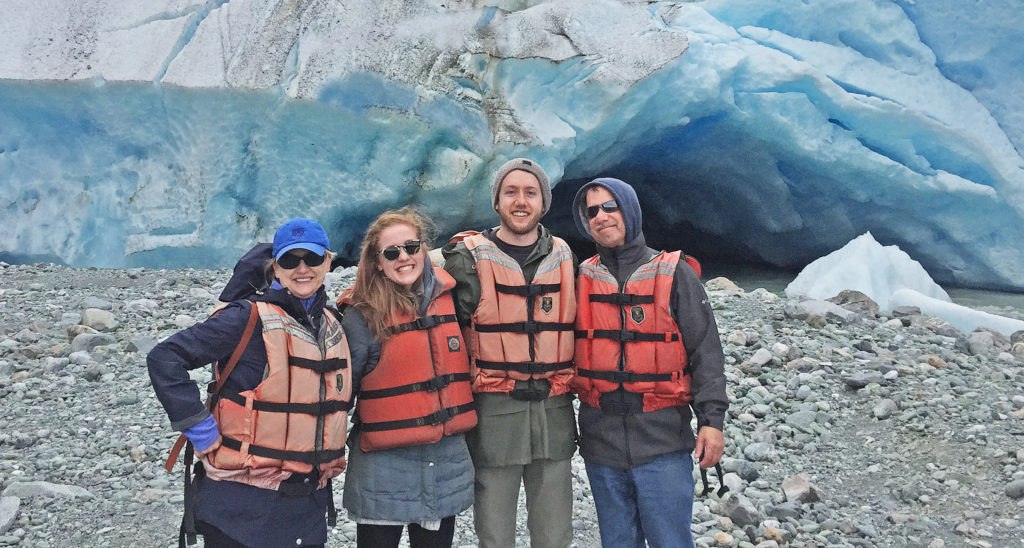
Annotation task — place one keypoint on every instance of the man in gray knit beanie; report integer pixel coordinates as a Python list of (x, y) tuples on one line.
[(515, 296), (529, 166)]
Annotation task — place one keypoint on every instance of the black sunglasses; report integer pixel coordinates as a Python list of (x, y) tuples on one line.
[(611, 206), (393, 252), (289, 261)]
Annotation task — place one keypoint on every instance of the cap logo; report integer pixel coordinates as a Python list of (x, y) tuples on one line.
[(298, 231)]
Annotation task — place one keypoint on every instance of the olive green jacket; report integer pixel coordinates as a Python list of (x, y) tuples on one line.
[(511, 432)]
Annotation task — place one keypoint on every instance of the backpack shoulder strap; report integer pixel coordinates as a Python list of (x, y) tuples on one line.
[(250, 326)]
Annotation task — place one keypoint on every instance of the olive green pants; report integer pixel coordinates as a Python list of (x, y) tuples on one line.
[(548, 486)]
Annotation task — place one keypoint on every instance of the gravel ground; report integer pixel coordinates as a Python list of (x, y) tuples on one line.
[(846, 428)]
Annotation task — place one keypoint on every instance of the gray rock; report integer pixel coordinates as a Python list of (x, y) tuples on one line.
[(89, 341), (799, 488), (76, 330), (141, 344), (860, 379), (142, 307), (1017, 337), (27, 336), (885, 408), (1015, 489), (29, 489), (740, 510), (805, 310), (759, 452), (100, 320), (8, 512), (786, 510), (801, 420), (855, 301), (935, 325), (96, 302), (904, 311), (80, 357), (761, 357), (981, 343), (54, 365)]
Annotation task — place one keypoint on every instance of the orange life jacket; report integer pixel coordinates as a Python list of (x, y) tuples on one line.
[(521, 329), (628, 337), (419, 390), (297, 417)]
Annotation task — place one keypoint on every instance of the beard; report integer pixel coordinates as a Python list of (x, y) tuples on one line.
[(513, 223)]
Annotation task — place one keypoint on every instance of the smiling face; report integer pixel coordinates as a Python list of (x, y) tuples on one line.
[(302, 281), (520, 203), (407, 269), (608, 229)]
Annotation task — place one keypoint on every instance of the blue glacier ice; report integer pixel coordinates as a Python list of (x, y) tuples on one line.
[(770, 131)]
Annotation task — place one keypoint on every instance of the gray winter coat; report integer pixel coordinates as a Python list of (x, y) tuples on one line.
[(406, 484)]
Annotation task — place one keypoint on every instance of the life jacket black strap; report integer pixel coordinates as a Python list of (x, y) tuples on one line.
[(308, 457), (438, 417), (432, 385), (523, 327), (626, 335), (317, 409), (320, 366), (528, 290), (623, 299), (625, 376), (529, 368), (187, 532), (423, 322)]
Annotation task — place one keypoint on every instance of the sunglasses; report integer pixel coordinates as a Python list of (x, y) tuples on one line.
[(611, 206), (289, 261), (392, 252)]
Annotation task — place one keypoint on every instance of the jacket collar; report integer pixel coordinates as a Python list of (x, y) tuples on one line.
[(545, 242), (621, 261), (293, 306)]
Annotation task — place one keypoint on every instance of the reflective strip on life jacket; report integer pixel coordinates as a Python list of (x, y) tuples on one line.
[(419, 391), (296, 418), (522, 330), (628, 337)]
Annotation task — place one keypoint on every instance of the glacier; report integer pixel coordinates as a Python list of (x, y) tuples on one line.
[(174, 132)]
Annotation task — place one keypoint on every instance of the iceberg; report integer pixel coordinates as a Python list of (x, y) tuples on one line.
[(867, 266), (167, 133), (891, 278)]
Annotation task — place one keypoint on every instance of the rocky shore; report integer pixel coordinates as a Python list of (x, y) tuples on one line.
[(846, 428)]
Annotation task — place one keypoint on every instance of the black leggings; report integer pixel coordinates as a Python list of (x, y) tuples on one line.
[(385, 536)]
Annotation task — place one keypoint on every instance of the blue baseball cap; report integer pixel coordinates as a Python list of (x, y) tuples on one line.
[(300, 233)]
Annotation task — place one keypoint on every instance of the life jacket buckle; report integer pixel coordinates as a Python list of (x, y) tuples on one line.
[(437, 383)]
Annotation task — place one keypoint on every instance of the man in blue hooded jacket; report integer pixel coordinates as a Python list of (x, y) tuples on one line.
[(634, 419)]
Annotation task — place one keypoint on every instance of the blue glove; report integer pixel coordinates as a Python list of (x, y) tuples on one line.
[(203, 434)]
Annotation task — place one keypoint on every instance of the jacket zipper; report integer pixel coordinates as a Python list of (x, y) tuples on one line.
[(622, 367)]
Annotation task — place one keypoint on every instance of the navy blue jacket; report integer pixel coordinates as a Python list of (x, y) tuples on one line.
[(250, 515)]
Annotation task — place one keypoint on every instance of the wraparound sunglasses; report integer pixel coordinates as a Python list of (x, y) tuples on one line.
[(611, 206), (289, 261), (393, 252)]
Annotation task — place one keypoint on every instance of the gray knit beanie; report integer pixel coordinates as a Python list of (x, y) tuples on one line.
[(528, 166)]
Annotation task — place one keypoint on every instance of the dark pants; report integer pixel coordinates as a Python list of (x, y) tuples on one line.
[(385, 536), (215, 538)]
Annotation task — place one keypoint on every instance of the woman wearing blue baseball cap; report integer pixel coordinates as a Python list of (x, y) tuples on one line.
[(272, 435)]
